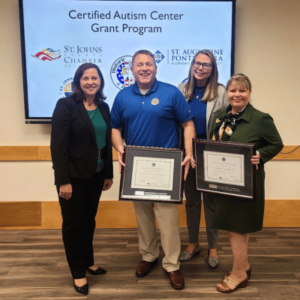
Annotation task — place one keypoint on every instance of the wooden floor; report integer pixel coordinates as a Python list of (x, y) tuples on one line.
[(33, 266)]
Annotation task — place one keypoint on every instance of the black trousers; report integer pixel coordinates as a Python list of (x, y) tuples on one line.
[(78, 226)]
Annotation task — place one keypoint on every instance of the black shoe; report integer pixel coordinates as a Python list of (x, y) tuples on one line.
[(99, 271), (82, 289)]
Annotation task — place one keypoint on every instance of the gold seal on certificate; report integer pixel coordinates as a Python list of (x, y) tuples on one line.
[(224, 168), (152, 174)]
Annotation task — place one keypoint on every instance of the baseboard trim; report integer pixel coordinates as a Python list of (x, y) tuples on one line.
[(118, 214)]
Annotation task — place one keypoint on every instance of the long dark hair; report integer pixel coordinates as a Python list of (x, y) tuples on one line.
[(77, 91), (211, 91)]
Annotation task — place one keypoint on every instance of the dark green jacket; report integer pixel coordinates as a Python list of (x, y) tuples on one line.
[(237, 214)]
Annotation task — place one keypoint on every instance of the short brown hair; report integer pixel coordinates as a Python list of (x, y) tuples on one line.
[(241, 79), (146, 52)]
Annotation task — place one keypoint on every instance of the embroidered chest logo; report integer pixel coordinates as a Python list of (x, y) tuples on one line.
[(154, 101)]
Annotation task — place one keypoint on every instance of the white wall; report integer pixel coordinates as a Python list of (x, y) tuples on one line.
[(267, 50)]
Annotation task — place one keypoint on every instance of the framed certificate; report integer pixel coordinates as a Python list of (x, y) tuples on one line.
[(152, 174), (225, 168)]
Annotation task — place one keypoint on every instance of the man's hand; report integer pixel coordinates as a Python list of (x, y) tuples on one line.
[(120, 158), (65, 191), (186, 163), (117, 143), (193, 163)]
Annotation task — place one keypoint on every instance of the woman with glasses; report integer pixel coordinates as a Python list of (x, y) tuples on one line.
[(205, 98)]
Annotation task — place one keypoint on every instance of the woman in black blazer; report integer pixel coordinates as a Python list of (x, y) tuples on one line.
[(82, 161)]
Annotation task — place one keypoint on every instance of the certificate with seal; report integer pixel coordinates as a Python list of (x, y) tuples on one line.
[(225, 168), (152, 174)]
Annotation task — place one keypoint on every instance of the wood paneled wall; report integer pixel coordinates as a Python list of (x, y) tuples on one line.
[(119, 214), (30, 153), (116, 214)]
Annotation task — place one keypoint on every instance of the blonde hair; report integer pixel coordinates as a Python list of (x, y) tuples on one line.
[(240, 79), (211, 91)]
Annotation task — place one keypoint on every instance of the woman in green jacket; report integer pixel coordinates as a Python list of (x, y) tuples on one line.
[(241, 122)]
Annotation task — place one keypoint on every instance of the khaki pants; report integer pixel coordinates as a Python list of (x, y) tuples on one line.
[(168, 223)]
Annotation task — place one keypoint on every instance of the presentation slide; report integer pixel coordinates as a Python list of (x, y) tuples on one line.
[(60, 35)]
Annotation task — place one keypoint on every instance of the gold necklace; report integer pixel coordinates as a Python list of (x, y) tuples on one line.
[(198, 91)]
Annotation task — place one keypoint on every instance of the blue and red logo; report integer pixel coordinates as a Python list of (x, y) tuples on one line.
[(120, 72), (48, 54)]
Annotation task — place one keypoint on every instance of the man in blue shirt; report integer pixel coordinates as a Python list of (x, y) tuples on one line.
[(149, 112)]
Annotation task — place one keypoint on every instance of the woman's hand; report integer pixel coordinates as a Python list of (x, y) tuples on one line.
[(107, 184), (256, 159), (65, 191)]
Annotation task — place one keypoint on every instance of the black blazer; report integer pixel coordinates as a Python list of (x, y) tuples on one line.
[(73, 141)]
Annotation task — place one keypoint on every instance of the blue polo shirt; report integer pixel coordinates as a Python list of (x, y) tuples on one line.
[(198, 108), (151, 119)]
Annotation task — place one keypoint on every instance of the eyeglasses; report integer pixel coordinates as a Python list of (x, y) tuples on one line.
[(205, 66)]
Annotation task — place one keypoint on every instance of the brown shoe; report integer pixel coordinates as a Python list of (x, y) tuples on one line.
[(176, 280), (144, 268)]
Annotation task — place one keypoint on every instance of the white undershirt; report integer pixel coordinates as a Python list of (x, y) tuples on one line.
[(143, 91)]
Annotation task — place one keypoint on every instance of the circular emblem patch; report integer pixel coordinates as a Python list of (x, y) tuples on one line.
[(67, 88), (154, 101), (120, 72)]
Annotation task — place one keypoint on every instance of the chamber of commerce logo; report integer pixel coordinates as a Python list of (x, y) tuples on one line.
[(158, 56), (48, 54), (75, 55), (120, 72), (67, 87)]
